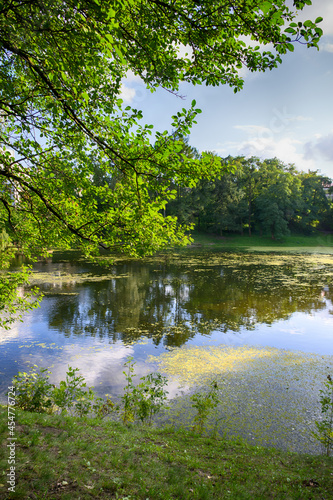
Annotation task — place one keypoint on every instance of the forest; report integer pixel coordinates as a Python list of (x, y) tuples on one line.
[(255, 195)]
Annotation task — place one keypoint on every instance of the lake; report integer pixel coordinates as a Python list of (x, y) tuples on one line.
[(260, 324)]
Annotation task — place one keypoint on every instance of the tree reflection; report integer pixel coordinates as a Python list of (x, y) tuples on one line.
[(172, 302)]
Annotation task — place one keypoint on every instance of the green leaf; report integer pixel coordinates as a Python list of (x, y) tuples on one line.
[(265, 7), (85, 96)]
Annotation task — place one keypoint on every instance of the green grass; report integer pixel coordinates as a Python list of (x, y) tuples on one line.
[(317, 243), (65, 458)]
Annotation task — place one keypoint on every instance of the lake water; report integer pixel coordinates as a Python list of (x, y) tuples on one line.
[(260, 324)]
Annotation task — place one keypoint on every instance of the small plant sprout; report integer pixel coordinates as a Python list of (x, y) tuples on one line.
[(324, 432), (128, 398)]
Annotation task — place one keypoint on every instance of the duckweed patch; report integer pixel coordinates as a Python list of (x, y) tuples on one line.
[(229, 258), (61, 278), (268, 396)]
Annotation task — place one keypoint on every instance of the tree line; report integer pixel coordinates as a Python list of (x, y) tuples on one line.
[(263, 196)]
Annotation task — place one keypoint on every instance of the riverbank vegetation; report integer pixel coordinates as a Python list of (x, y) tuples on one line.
[(262, 197), (60, 457)]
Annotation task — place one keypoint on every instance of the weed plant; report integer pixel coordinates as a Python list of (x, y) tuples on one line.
[(33, 391), (324, 432), (141, 402), (72, 393), (145, 399), (204, 403)]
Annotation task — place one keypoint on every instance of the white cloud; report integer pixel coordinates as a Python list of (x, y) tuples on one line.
[(133, 89), (300, 118), (279, 123), (322, 147), (326, 47), (268, 147), (264, 143), (316, 154), (99, 365), (256, 130), (127, 94), (184, 51), (135, 94), (132, 77), (8, 335)]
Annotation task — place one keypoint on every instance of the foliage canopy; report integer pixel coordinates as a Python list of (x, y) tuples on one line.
[(61, 68), (62, 64)]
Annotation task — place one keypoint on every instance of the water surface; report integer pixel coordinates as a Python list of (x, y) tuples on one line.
[(93, 317)]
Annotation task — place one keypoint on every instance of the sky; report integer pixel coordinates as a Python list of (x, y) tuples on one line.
[(285, 113)]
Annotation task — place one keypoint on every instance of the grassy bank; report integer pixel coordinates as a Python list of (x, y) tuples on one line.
[(65, 458), (317, 243)]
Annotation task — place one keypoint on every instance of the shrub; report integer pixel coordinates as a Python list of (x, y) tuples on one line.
[(71, 394), (150, 396), (33, 391)]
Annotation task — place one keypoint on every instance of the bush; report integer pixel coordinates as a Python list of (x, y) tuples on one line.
[(35, 393)]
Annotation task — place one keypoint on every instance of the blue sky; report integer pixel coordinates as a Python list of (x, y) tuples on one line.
[(285, 113)]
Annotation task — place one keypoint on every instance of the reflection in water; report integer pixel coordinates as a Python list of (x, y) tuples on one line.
[(172, 302), (92, 318)]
